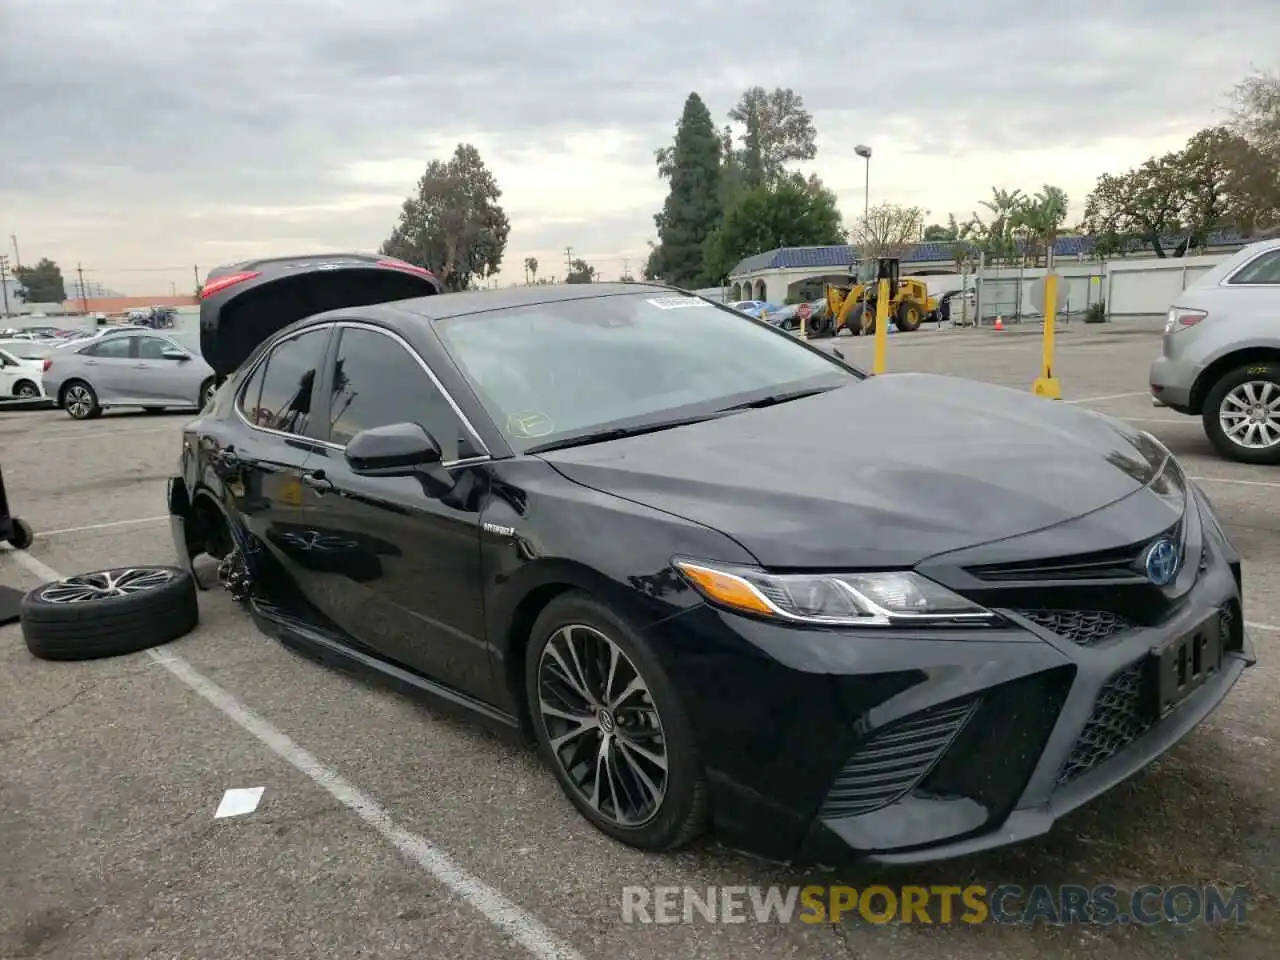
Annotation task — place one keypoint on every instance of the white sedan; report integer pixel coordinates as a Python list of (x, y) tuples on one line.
[(20, 376)]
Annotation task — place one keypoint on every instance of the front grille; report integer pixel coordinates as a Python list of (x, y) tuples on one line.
[(1120, 563), (1085, 628), (893, 759), (1120, 716)]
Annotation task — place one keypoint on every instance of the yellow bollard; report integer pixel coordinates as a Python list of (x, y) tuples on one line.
[(804, 333), (1046, 384), (882, 327)]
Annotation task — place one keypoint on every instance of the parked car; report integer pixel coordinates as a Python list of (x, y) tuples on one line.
[(19, 376), (127, 368), (1220, 358), (572, 512)]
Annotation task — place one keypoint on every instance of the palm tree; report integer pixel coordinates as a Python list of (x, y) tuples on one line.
[(531, 270)]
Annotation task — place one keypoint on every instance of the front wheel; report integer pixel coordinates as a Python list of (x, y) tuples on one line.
[(909, 316), (1242, 414), (610, 723)]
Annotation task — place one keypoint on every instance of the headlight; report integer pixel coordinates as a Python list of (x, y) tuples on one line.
[(833, 599)]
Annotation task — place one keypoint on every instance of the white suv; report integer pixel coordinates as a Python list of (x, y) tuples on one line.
[(1221, 356)]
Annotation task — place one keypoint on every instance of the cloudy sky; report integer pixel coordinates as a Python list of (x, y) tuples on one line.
[(143, 138)]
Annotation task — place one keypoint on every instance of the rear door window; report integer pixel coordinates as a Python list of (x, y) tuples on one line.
[(117, 348), (288, 385), (377, 382)]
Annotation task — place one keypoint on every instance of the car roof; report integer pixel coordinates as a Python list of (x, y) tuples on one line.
[(482, 301)]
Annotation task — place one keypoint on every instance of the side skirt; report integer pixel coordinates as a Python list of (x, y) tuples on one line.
[(330, 646)]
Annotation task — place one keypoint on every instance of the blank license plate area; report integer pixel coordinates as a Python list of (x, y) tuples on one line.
[(1182, 666)]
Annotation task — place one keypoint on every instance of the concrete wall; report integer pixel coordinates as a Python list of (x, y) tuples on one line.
[(1151, 286)]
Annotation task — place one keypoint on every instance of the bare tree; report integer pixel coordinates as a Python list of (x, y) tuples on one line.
[(888, 230)]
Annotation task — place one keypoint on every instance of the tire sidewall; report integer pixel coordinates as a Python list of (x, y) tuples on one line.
[(26, 390), (681, 804), (1266, 370)]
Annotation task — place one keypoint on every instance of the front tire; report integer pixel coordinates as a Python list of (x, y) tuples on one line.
[(1242, 414), (611, 724)]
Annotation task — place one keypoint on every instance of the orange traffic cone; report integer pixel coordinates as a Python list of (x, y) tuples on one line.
[(999, 323)]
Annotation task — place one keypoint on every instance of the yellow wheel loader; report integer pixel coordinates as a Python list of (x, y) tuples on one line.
[(853, 307)]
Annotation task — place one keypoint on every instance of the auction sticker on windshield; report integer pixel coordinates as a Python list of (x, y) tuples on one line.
[(675, 303)]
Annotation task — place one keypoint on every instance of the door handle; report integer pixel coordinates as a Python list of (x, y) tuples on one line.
[(318, 481), (230, 458)]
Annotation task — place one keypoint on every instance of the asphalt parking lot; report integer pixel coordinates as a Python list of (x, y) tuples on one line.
[(387, 830)]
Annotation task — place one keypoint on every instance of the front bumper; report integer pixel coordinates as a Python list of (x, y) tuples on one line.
[(824, 747)]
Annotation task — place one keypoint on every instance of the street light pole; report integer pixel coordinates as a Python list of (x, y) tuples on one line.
[(864, 152)]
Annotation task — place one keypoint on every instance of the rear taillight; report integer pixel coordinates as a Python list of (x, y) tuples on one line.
[(48, 362), (407, 268), (230, 280), (1181, 318)]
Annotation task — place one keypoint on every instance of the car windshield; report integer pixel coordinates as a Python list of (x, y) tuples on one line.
[(557, 370)]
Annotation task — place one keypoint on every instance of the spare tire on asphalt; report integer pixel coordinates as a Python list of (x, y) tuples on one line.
[(107, 613)]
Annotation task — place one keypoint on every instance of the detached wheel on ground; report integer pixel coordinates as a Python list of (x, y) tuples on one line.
[(610, 723), (80, 401), (108, 613), (1242, 414)]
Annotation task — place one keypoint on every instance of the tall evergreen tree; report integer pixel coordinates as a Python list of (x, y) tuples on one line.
[(692, 209)]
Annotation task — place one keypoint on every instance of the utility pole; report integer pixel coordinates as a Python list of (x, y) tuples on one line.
[(568, 260), (195, 270), (4, 282), (84, 301), (17, 257)]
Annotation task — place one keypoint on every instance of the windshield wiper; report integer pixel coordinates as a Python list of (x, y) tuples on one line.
[(617, 433), (775, 398)]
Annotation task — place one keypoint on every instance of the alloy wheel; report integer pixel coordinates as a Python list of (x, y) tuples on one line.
[(106, 583), (602, 725), (27, 391), (79, 402), (1250, 414), (209, 391)]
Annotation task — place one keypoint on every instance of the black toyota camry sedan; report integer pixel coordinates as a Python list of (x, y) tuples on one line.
[(725, 580)]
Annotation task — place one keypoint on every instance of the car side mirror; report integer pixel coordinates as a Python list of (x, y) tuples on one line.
[(396, 450), (178, 355)]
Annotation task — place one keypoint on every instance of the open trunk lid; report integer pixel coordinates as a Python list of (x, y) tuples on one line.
[(243, 304)]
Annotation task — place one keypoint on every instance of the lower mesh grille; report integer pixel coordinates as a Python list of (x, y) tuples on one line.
[(893, 760), (1120, 716), (1085, 628)]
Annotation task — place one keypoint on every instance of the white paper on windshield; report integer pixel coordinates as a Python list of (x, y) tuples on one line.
[(676, 303)]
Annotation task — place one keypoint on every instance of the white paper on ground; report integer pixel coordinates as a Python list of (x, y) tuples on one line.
[(239, 801)]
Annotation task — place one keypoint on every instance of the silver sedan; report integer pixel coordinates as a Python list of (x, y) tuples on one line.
[(128, 368)]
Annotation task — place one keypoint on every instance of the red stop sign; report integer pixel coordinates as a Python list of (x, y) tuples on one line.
[(803, 311)]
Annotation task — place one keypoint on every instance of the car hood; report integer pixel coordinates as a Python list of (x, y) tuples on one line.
[(887, 471)]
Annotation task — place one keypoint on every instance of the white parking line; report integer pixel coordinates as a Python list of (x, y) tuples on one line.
[(516, 922), (1109, 396), (1243, 483), (37, 437), (41, 535)]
